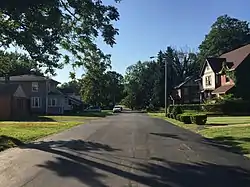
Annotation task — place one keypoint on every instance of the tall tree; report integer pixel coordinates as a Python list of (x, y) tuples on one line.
[(226, 34), (42, 27), (17, 64)]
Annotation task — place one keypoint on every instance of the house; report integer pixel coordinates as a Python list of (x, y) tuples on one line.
[(72, 102), (13, 102), (216, 82), (210, 77), (187, 92), (41, 91)]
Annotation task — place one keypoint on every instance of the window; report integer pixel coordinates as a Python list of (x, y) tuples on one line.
[(34, 86), (35, 102), (52, 102), (208, 81)]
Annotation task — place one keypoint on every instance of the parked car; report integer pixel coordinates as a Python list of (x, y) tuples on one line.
[(93, 109), (117, 109)]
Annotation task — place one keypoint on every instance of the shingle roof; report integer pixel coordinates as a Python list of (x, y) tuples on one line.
[(237, 56), (8, 89), (27, 78), (183, 83), (216, 63), (222, 89)]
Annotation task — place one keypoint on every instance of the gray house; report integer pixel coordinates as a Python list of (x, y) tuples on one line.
[(42, 93)]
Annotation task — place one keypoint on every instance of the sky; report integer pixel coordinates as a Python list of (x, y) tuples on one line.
[(148, 26)]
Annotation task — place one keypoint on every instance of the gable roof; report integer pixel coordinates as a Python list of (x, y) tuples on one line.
[(8, 89), (223, 89), (215, 63), (28, 78), (237, 56), (184, 82)]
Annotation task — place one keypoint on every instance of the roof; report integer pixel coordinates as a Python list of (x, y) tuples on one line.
[(215, 63), (237, 56), (27, 78), (8, 89), (55, 92), (222, 89), (184, 82)]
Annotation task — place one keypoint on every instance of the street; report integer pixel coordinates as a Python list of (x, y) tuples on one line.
[(127, 149)]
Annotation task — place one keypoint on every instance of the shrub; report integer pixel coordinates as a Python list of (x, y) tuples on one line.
[(178, 117), (168, 115), (169, 109), (172, 116), (186, 118), (177, 110), (199, 119)]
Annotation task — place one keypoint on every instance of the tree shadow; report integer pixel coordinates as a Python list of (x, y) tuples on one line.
[(8, 142), (216, 124), (166, 135), (77, 145), (229, 143), (158, 172)]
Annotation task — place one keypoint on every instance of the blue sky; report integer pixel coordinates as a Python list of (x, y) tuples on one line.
[(147, 26)]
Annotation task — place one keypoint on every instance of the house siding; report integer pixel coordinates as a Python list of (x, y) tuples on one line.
[(5, 107), (208, 72)]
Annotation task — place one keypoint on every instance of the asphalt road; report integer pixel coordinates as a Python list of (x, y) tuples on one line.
[(128, 149)]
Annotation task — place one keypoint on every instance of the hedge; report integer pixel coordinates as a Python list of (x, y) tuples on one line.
[(226, 107), (186, 118), (199, 119)]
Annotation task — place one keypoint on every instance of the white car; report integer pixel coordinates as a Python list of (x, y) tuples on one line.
[(117, 109)]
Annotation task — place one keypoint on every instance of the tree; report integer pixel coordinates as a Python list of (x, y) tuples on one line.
[(17, 64), (43, 27), (73, 86), (145, 81), (226, 34)]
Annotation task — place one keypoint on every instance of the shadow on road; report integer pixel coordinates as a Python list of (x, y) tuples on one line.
[(155, 172), (166, 135)]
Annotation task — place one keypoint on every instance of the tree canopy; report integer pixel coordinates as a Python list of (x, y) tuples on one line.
[(226, 34), (13, 63), (43, 27)]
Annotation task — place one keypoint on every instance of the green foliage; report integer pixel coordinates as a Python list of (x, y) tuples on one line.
[(177, 110), (185, 118), (199, 119), (43, 27), (226, 34), (100, 87), (12, 64), (170, 108), (178, 117), (145, 81)]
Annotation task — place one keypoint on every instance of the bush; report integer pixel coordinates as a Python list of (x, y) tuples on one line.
[(199, 119), (172, 116), (169, 109), (177, 110), (178, 117), (186, 118), (168, 115)]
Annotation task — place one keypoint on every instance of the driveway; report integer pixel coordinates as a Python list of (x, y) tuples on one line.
[(128, 149)]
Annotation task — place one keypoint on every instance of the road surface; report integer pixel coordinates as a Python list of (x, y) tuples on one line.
[(125, 150)]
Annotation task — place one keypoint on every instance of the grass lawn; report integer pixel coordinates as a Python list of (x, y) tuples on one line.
[(14, 133), (233, 133)]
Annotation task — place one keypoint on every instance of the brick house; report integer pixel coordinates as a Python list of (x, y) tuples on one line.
[(237, 61), (13, 102), (215, 82), (41, 91)]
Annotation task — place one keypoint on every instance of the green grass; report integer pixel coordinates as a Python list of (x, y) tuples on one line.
[(233, 137), (14, 133)]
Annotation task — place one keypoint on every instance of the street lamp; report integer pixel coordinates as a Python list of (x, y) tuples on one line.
[(166, 84)]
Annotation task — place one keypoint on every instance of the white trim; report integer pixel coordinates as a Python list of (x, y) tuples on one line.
[(33, 101)]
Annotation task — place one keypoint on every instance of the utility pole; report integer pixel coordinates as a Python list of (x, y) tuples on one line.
[(166, 83), (166, 86)]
